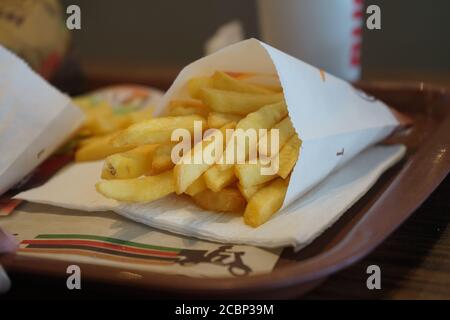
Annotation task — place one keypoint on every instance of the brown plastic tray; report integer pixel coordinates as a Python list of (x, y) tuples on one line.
[(397, 194)]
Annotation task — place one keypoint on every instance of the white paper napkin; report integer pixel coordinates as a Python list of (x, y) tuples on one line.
[(296, 225)]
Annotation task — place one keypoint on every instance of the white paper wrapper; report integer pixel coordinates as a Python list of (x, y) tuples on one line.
[(334, 120), (35, 119)]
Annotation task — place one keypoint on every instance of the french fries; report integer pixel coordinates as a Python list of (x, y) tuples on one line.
[(265, 202), (223, 81), (226, 200), (288, 156), (187, 171), (162, 160), (144, 189), (218, 177), (237, 102), (285, 132), (99, 149), (196, 84), (139, 166), (218, 120), (250, 175), (129, 164), (187, 107), (264, 118), (196, 187), (156, 130), (250, 191)]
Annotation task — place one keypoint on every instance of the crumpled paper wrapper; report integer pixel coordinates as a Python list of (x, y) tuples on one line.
[(35, 119), (335, 121)]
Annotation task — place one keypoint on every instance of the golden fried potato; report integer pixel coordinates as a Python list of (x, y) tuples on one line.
[(99, 148), (289, 156), (217, 179), (265, 202), (156, 130), (226, 200), (196, 187), (143, 189), (223, 81), (187, 107), (250, 191), (196, 84), (285, 131), (162, 160), (264, 118), (237, 102), (129, 164), (218, 120), (187, 170), (250, 175)]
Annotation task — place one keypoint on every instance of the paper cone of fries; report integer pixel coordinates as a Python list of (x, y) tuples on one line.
[(35, 119), (334, 120)]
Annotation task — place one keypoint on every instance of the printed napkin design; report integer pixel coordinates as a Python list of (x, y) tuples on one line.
[(103, 238)]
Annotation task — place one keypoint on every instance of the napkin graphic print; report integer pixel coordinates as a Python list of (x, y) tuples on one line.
[(117, 250)]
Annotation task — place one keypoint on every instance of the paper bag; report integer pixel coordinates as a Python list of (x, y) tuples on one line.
[(334, 120), (35, 118)]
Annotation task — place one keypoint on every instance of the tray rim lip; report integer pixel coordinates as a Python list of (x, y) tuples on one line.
[(285, 277)]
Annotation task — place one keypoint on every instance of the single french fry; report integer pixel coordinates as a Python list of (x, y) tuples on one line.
[(143, 189), (156, 130), (285, 132), (196, 187), (223, 81), (129, 164), (249, 174), (187, 107), (162, 160), (218, 120), (99, 149), (265, 202), (187, 170), (265, 117), (250, 191), (196, 84), (217, 179), (289, 156), (237, 102), (226, 200)]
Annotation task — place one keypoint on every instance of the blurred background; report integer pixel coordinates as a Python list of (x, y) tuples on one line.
[(149, 41)]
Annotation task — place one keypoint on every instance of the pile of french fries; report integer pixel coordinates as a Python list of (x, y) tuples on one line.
[(102, 123), (138, 164)]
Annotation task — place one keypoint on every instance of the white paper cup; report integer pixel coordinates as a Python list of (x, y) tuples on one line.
[(324, 33)]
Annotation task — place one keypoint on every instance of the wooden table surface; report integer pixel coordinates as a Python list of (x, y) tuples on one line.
[(414, 260)]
